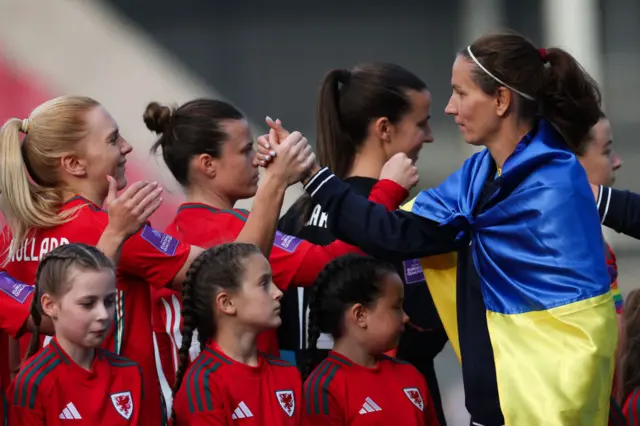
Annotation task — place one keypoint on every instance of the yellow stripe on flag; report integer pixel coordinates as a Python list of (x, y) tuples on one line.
[(440, 272), (555, 367)]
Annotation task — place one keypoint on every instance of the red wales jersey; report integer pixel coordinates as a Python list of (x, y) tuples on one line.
[(339, 393), (293, 260), (15, 306), (219, 391), (53, 390), (15, 303), (149, 258)]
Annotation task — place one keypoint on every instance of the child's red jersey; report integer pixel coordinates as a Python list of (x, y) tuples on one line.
[(339, 393), (149, 258), (52, 390), (219, 391)]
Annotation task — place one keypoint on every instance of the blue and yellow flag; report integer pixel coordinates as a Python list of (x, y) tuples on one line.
[(538, 251)]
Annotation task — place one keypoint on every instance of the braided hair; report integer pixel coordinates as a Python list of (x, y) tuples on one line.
[(345, 281), (52, 278), (218, 268)]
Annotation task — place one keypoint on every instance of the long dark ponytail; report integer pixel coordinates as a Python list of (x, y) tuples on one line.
[(558, 87), (348, 101)]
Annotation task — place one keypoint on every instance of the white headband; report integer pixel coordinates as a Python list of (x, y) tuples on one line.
[(474, 59)]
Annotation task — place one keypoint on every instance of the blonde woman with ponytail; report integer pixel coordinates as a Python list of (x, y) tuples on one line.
[(54, 184), (16, 298)]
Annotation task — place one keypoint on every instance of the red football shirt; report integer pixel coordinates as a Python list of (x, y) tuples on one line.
[(219, 391), (339, 393), (52, 390), (15, 303), (15, 306), (149, 258), (293, 260)]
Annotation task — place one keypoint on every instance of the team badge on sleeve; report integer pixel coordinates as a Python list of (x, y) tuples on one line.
[(287, 401), (413, 271), (414, 396), (13, 288), (286, 242), (123, 403), (161, 241)]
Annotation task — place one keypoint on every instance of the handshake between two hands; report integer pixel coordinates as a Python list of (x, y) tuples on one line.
[(290, 156)]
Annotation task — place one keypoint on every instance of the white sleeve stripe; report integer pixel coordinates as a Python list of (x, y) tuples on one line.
[(320, 185), (606, 208), (315, 177), (165, 387)]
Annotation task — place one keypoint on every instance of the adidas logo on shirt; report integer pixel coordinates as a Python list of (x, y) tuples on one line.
[(241, 411), (369, 406), (70, 413)]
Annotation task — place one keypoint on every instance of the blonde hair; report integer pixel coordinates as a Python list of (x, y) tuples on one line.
[(52, 131)]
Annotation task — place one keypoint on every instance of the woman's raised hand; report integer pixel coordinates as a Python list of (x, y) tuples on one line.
[(285, 155)]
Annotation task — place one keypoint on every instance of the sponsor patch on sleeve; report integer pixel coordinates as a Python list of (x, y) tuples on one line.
[(13, 288), (413, 271), (162, 242), (286, 242)]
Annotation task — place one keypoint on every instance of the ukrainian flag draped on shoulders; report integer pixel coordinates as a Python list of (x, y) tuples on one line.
[(538, 251)]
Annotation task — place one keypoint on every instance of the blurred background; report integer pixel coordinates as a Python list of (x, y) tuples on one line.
[(268, 58)]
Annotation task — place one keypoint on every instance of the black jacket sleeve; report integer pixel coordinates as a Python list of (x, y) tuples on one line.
[(392, 236), (620, 211)]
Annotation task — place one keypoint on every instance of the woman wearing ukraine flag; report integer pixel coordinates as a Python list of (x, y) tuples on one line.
[(516, 267)]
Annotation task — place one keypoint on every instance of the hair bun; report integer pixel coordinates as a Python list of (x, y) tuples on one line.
[(157, 117)]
